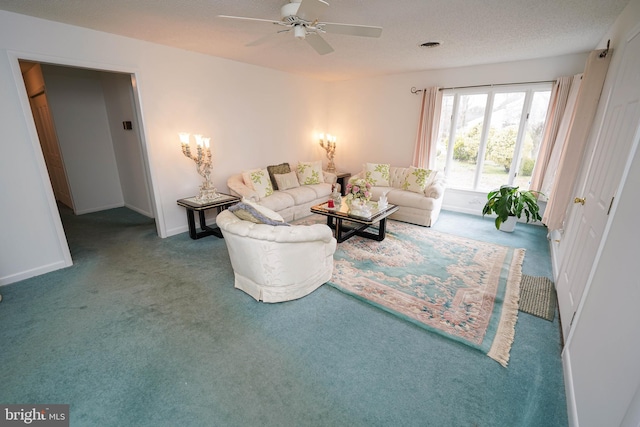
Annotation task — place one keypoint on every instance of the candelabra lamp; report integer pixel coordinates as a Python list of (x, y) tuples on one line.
[(329, 144), (203, 165)]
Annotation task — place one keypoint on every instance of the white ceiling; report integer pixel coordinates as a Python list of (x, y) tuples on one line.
[(471, 31)]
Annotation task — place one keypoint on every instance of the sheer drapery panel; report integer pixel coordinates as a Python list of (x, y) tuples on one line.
[(427, 136)]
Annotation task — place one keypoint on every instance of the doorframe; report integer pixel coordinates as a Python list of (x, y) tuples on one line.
[(134, 73)]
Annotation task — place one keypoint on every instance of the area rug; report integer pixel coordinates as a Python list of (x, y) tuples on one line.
[(463, 289), (538, 297)]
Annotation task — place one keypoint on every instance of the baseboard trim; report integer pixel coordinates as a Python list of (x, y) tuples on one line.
[(98, 209), (23, 275), (138, 210), (572, 410), (555, 268)]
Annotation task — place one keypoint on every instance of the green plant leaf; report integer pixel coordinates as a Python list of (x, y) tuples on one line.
[(510, 201)]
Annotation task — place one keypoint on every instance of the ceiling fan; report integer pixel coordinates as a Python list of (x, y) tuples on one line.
[(302, 16)]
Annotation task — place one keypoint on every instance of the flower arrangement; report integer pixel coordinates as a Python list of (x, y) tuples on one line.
[(359, 189)]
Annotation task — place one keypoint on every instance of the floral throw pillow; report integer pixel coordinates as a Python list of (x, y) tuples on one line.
[(416, 179), (259, 180), (310, 173), (377, 174)]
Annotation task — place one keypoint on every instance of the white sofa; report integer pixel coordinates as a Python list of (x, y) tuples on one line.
[(277, 263), (292, 203), (417, 208)]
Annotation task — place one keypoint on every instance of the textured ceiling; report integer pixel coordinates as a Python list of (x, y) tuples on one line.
[(471, 32)]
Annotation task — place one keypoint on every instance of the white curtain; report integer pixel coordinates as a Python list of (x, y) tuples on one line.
[(427, 137), (572, 152), (562, 105)]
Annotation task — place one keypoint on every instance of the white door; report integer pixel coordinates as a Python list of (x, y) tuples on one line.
[(588, 219), (51, 149)]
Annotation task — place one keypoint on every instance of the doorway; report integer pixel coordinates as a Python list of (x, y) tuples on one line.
[(90, 137)]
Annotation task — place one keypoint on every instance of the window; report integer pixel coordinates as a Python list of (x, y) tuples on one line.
[(496, 134)]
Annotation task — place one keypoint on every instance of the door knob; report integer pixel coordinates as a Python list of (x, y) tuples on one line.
[(580, 200)]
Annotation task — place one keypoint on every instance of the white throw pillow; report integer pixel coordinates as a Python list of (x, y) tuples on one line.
[(258, 179), (286, 180), (377, 174), (416, 179), (310, 173)]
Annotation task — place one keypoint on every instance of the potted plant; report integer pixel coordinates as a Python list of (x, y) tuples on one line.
[(509, 203)]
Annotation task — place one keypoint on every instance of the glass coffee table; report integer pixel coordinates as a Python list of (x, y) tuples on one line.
[(356, 225)]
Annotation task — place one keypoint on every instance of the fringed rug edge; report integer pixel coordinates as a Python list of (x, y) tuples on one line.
[(501, 347)]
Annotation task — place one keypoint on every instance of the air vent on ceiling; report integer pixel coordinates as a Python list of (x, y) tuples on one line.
[(429, 45)]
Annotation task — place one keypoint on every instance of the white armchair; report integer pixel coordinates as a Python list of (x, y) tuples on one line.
[(277, 263)]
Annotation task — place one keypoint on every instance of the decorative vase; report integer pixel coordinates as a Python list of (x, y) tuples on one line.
[(337, 198), (509, 225)]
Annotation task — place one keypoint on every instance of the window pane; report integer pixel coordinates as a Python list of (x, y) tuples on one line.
[(469, 122), (443, 133), (532, 138), (501, 140)]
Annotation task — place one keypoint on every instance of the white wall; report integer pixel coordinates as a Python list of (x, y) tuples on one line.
[(119, 102), (30, 230), (254, 116)]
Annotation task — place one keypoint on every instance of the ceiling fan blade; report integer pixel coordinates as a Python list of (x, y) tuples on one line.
[(350, 30), (243, 18), (318, 43), (263, 39), (310, 10)]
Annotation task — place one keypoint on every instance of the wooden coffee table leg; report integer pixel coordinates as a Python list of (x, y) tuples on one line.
[(330, 221), (339, 231), (382, 229)]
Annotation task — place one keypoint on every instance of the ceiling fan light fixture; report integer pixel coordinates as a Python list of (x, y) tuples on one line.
[(299, 32), (429, 45), (303, 17)]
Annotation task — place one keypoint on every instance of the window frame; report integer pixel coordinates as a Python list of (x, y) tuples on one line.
[(528, 88)]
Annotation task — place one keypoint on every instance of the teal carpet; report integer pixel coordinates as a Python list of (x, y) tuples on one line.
[(143, 331)]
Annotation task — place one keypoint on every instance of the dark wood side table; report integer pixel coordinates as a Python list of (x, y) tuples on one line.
[(191, 205), (343, 179)]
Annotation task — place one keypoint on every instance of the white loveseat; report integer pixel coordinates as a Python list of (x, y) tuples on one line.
[(417, 206), (274, 263), (295, 200)]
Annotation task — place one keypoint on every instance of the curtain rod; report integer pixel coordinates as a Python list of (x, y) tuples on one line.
[(415, 91), (603, 54)]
